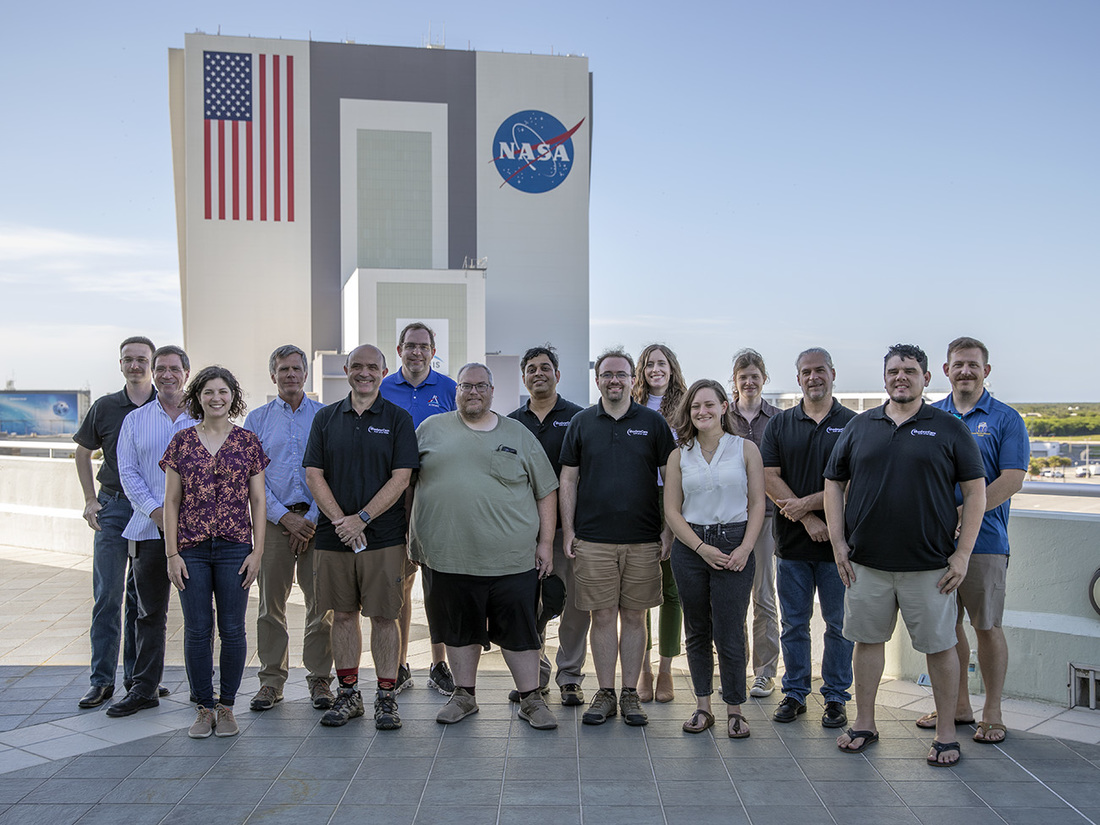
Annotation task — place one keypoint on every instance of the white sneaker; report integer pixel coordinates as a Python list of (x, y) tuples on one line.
[(762, 686)]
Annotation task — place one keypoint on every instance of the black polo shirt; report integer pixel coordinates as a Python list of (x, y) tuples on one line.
[(100, 429), (550, 432), (358, 454), (900, 513), (618, 461), (800, 447)]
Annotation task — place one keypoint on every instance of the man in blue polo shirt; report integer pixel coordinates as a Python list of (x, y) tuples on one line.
[(422, 392), (1005, 448)]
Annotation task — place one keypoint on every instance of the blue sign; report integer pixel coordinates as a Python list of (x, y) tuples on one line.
[(533, 151), (39, 412)]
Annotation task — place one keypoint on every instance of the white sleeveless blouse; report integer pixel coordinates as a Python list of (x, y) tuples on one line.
[(715, 493)]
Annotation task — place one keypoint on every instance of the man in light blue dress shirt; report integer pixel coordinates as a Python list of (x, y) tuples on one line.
[(142, 441), (283, 427)]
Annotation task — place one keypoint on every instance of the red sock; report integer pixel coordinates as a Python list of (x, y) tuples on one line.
[(347, 677), (387, 684)]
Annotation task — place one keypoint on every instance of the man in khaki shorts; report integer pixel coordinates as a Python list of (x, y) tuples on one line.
[(611, 526), (890, 507), (359, 460), (1003, 441)]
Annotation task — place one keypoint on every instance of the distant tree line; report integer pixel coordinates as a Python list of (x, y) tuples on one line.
[(1037, 465), (1063, 426)]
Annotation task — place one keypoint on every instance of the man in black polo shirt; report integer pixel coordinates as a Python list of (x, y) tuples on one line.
[(611, 525), (893, 539), (359, 460), (108, 513), (547, 415), (796, 447)]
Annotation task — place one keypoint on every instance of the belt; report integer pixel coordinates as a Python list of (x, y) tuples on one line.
[(103, 488), (299, 508)]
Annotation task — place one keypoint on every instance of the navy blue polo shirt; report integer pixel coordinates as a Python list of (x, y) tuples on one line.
[(800, 447), (358, 454), (901, 514), (618, 462), (435, 394), (550, 432), (100, 429), (1004, 444)]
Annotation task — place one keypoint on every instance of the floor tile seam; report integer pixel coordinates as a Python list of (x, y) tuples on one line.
[(729, 775), (1015, 762), (653, 773), (577, 724), (431, 767), (355, 773), (801, 770)]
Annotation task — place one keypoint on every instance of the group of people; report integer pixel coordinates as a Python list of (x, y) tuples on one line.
[(659, 495)]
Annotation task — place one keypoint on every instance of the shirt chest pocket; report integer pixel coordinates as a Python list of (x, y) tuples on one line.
[(506, 467)]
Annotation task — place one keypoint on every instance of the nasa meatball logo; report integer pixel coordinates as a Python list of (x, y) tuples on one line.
[(533, 151)]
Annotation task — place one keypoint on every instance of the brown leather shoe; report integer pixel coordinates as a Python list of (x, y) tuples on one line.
[(664, 692), (645, 686)]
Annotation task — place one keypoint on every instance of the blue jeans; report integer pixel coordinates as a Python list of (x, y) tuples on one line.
[(796, 581), (212, 573), (110, 580)]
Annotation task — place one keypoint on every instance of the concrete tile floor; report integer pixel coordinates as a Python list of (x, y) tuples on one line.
[(61, 765)]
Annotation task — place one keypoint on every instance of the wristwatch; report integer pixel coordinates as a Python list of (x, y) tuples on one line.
[(365, 516)]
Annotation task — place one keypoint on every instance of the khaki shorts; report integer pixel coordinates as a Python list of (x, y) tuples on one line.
[(982, 592), (371, 582), (872, 603), (617, 575)]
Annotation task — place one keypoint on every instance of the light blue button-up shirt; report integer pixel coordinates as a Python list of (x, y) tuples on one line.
[(284, 433), (141, 445)]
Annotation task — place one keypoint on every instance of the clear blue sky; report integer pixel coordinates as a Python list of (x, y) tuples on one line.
[(776, 175)]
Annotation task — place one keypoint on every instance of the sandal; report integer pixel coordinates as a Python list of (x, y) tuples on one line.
[(699, 721), (983, 731), (869, 738), (942, 747), (928, 721), (736, 731)]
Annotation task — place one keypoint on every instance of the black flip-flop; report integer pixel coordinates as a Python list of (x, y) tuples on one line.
[(940, 747), (869, 738)]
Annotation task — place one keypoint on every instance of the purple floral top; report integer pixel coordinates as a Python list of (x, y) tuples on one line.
[(215, 487)]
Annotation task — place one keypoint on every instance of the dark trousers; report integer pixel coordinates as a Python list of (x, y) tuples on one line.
[(715, 603), (150, 568)]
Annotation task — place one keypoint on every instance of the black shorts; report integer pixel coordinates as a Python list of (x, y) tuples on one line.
[(479, 610)]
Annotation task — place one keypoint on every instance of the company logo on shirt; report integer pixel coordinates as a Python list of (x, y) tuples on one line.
[(433, 401), (637, 432), (983, 428), (378, 430), (922, 432), (834, 429), (561, 423)]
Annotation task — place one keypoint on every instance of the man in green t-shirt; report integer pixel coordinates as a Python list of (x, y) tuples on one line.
[(483, 518)]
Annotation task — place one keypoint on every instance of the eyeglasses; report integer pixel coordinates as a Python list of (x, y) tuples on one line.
[(607, 376), (481, 386), (417, 347)]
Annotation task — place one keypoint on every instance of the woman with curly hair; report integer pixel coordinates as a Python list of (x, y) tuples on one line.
[(214, 481), (714, 504), (660, 386)]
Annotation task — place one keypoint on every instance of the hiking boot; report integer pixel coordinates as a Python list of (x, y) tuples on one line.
[(535, 711), (348, 705), (461, 705), (203, 725), (602, 707), (572, 695), (265, 698), (225, 724), (440, 678), (404, 678), (762, 686), (788, 709), (386, 716), (631, 708), (319, 692), (513, 694)]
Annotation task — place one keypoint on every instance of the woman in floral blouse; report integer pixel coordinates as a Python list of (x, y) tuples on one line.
[(214, 477)]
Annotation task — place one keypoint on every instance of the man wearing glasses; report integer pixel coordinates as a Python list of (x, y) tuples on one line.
[(611, 526), (423, 392)]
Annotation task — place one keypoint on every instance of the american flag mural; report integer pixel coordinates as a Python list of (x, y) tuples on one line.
[(248, 152)]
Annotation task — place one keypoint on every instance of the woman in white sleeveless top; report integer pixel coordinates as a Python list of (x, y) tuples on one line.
[(714, 503)]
